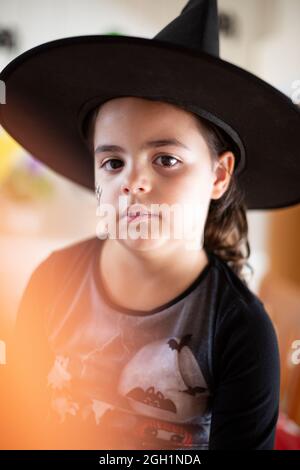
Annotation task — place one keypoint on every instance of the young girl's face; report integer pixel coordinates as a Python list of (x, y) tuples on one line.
[(147, 170)]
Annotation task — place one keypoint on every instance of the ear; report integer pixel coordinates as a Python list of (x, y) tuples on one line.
[(223, 170)]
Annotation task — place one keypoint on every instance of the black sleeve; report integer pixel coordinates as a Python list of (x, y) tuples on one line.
[(30, 359), (247, 369)]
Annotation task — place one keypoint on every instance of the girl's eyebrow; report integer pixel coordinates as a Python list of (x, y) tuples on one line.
[(149, 144)]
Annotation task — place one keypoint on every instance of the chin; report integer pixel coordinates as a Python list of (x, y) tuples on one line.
[(143, 244)]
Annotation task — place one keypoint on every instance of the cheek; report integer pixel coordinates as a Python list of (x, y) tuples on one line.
[(192, 194), (195, 194), (110, 187), (194, 187)]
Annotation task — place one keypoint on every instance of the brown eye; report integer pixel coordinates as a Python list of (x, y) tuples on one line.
[(167, 160), (109, 161)]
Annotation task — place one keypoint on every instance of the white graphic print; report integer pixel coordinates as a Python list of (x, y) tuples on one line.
[(58, 375), (99, 408), (163, 380), (154, 396), (63, 405)]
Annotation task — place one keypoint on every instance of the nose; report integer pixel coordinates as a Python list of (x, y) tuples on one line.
[(134, 189), (137, 184)]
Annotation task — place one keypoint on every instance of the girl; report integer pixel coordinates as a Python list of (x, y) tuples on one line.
[(153, 345), (150, 342)]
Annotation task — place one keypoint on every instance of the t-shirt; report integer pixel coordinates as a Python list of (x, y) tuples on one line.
[(199, 372)]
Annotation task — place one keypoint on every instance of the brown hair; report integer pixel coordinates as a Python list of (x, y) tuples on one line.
[(226, 227)]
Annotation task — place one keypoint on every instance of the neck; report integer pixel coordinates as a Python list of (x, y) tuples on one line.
[(155, 263)]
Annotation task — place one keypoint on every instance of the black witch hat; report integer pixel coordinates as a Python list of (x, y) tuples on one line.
[(52, 88)]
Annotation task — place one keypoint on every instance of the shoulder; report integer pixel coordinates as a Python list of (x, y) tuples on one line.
[(242, 320), (233, 289), (244, 337), (235, 297), (51, 271)]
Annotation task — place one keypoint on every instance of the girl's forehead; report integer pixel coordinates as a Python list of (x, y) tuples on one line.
[(151, 122), (128, 107), (135, 120)]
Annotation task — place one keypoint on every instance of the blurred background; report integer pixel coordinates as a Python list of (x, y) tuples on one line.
[(41, 211)]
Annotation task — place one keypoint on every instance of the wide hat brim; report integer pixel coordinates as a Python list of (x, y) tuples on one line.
[(51, 88)]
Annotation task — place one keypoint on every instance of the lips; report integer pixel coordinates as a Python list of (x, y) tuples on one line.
[(130, 218), (137, 212)]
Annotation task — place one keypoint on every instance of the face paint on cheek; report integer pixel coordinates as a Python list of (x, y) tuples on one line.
[(101, 229), (98, 192), (107, 222)]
